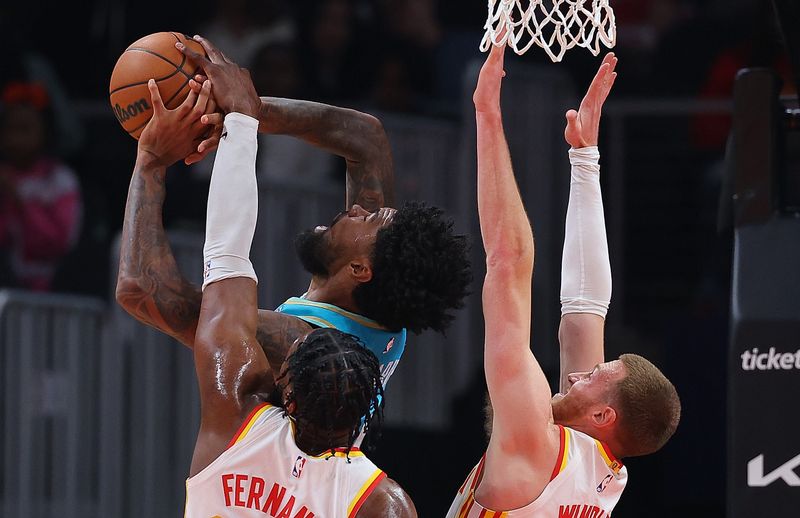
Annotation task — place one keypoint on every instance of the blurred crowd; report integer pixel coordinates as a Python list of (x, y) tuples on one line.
[(398, 56)]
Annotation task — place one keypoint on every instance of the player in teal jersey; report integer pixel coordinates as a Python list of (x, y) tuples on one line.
[(375, 270)]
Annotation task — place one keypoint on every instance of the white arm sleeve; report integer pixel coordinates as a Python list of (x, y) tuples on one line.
[(232, 203), (585, 267)]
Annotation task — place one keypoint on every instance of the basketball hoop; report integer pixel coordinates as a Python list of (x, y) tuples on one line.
[(554, 25)]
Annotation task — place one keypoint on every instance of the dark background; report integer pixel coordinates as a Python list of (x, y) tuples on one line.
[(677, 302)]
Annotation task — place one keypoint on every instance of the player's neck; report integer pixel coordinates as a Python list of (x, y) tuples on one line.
[(332, 291), (316, 442), (607, 437)]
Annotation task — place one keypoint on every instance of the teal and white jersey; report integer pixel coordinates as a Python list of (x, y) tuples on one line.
[(387, 346)]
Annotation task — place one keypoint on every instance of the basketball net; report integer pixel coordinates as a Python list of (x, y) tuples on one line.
[(554, 25)]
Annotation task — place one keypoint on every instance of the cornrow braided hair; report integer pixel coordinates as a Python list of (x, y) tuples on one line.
[(336, 385)]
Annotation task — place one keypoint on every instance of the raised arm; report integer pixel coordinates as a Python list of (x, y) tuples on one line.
[(357, 137), (232, 371), (523, 439), (149, 285), (585, 268)]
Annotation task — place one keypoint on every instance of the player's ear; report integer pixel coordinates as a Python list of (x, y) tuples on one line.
[(361, 269), (605, 416)]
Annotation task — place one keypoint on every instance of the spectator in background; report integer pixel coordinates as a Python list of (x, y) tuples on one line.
[(406, 69), (40, 196), (241, 27), (336, 51), (29, 64), (755, 42)]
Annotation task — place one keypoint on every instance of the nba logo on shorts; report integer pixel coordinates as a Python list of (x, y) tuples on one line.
[(298, 466)]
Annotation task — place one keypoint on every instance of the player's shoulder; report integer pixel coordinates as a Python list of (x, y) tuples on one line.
[(388, 500), (274, 326)]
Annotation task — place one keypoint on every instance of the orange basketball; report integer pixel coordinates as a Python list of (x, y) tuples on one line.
[(151, 57)]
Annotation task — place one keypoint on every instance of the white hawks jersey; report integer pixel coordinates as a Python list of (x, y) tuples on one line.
[(264, 474), (586, 482)]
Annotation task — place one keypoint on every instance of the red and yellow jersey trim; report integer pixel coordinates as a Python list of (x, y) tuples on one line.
[(469, 503), (248, 423), (466, 506), (563, 452), (469, 485), (613, 462), (474, 476), (363, 493), (339, 452)]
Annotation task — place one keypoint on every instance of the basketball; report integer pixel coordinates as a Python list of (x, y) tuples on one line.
[(152, 57)]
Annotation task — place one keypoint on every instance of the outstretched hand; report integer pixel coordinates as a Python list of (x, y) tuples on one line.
[(583, 126), (487, 92), (233, 91), (233, 88), (171, 135)]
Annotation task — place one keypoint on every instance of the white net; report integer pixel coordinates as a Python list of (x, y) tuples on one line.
[(554, 25)]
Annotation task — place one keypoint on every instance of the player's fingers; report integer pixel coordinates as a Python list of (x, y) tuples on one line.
[(200, 78), (609, 84), (195, 57), (211, 107), (195, 86), (596, 87), (209, 144), (213, 119), (195, 157), (202, 99), (155, 96), (602, 72), (571, 116), (213, 54), (496, 53), (188, 104)]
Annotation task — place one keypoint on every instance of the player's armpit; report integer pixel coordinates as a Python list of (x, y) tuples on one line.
[(276, 333), (388, 501)]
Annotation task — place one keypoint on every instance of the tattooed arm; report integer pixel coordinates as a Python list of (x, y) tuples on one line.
[(149, 285), (357, 137)]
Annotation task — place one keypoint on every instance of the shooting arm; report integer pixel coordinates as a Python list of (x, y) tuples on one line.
[(149, 285), (357, 137)]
